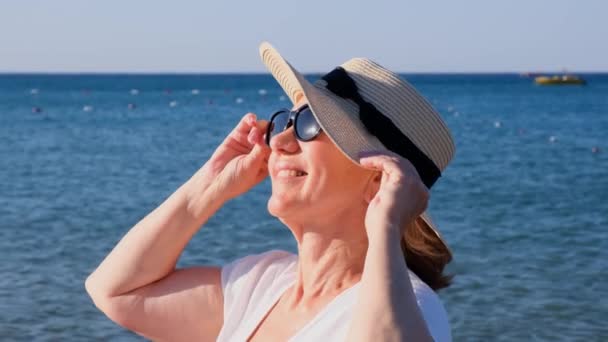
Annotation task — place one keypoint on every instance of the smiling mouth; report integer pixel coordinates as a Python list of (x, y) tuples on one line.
[(290, 173)]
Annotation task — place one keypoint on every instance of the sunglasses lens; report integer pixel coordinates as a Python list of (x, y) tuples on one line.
[(307, 126), (278, 124)]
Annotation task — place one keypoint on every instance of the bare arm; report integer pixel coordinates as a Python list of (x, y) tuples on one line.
[(137, 284), (387, 308), (151, 249)]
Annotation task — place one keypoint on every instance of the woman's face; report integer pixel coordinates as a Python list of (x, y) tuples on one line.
[(314, 178)]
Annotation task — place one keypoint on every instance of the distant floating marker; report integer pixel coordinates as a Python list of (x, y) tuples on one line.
[(36, 110), (239, 100), (262, 92), (595, 149), (34, 91), (282, 98), (134, 91), (173, 104), (87, 108), (195, 92), (497, 124), (552, 139), (131, 106)]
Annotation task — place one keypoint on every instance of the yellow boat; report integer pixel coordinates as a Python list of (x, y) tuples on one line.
[(559, 80)]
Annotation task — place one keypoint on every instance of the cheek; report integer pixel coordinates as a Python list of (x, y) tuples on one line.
[(341, 183), (337, 176)]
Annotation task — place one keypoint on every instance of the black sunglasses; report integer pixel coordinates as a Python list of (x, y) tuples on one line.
[(305, 125)]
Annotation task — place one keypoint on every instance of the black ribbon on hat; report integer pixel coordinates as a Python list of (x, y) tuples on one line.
[(382, 127)]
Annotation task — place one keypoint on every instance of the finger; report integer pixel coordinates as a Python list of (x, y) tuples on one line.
[(256, 135), (257, 157), (396, 171), (382, 162), (247, 124), (404, 165), (244, 126), (261, 130), (239, 137), (252, 136), (262, 125)]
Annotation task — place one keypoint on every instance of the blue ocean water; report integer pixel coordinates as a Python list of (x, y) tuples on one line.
[(524, 205)]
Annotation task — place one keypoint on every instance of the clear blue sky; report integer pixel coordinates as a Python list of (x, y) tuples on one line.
[(315, 35)]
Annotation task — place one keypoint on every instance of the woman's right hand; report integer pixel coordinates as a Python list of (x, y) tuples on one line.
[(241, 160)]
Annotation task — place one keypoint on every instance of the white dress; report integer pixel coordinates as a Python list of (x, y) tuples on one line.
[(253, 284)]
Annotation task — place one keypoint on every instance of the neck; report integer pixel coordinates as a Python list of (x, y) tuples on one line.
[(330, 258)]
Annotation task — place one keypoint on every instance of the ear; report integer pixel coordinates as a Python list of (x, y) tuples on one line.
[(373, 185)]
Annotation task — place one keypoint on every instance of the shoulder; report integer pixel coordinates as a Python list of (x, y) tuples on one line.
[(270, 261), (256, 269), (432, 309)]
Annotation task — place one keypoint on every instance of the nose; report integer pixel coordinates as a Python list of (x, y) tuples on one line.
[(285, 142)]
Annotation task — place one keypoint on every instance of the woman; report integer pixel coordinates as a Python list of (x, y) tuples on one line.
[(350, 167)]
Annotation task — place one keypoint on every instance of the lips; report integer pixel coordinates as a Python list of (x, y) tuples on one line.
[(288, 170), (290, 173)]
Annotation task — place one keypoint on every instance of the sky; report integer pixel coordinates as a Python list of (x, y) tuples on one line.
[(314, 35)]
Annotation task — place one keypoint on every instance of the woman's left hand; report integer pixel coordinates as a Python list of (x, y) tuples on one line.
[(401, 197)]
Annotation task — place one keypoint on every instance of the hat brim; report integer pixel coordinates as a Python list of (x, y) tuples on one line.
[(337, 117)]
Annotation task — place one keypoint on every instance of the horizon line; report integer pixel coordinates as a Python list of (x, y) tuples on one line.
[(260, 73)]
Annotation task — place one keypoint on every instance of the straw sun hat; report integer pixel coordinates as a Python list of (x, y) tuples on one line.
[(362, 106)]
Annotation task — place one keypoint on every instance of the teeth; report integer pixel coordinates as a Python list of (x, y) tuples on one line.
[(290, 173)]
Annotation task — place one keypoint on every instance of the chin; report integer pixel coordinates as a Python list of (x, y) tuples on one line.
[(282, 205)]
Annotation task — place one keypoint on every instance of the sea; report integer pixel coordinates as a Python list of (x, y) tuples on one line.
[(523, 205)]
